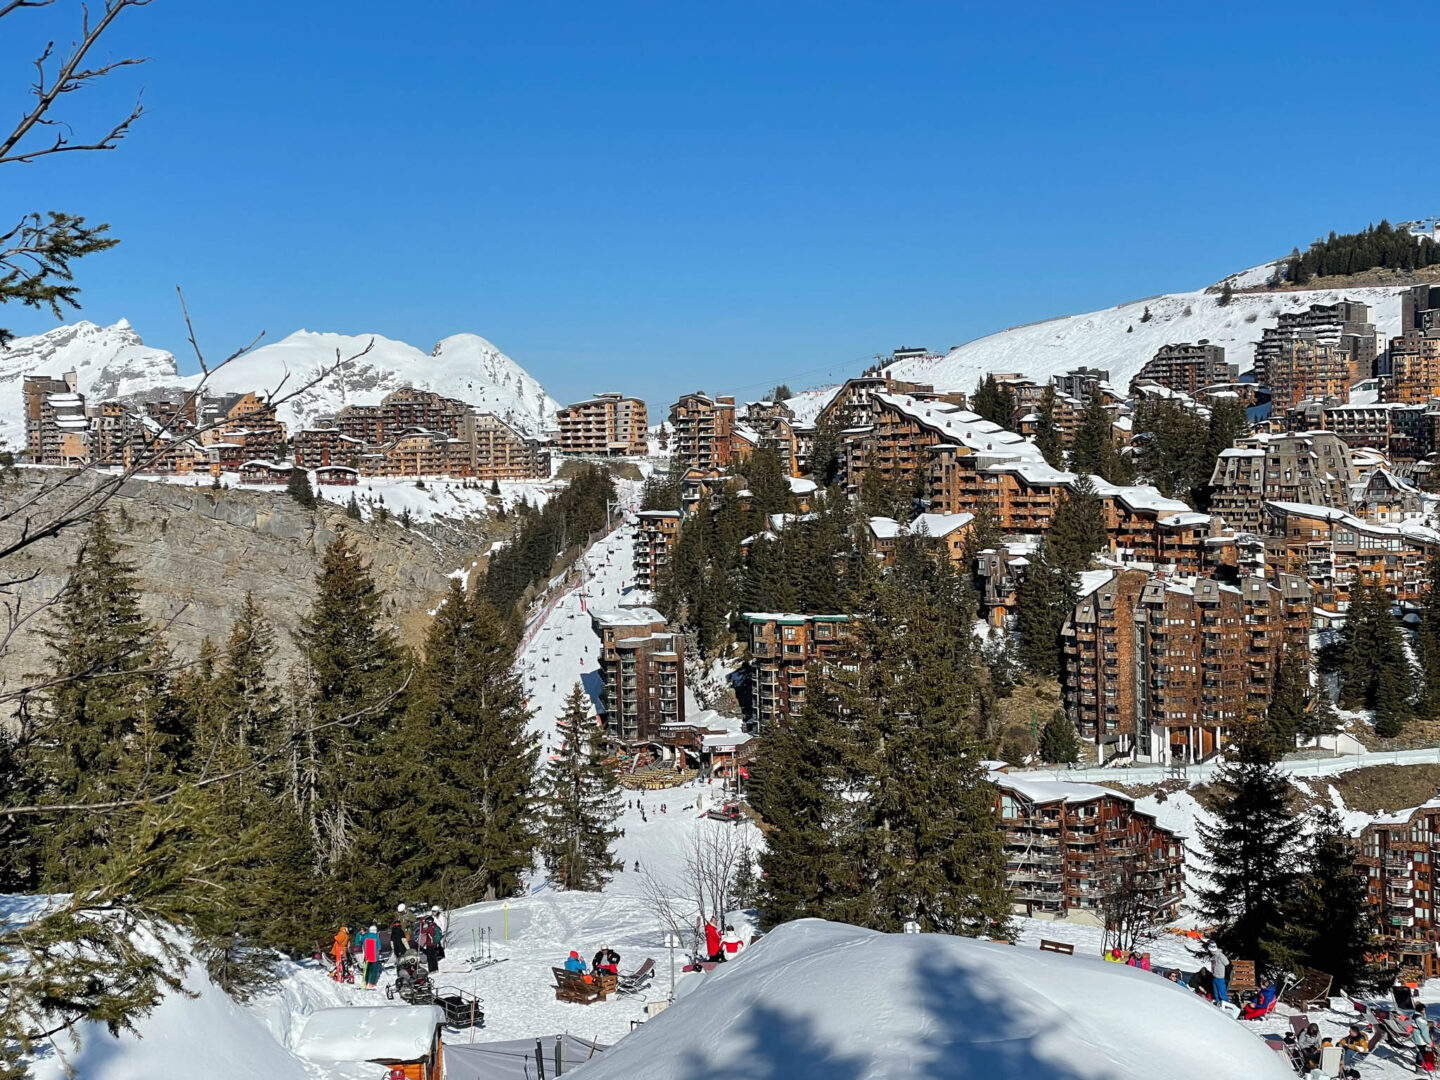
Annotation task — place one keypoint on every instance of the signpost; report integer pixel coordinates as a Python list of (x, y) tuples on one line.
[(672, 942)]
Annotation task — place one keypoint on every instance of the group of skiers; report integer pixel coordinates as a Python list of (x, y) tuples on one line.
[(424, 934)]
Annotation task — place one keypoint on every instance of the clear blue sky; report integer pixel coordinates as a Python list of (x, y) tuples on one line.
[(663, 197)]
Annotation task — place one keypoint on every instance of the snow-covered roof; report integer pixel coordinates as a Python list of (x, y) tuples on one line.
[(962, 427), (1190, 517), (885, 528), (799, 485), (273, 466), (369, 1033), (658, 513), (1239, 452), (1402, 817), (725, 742), (789, 617), (626, 616), (1090, 580), (1048, 791)]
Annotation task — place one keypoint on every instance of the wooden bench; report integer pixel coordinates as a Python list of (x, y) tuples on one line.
[(574, 987), (1057, 946)]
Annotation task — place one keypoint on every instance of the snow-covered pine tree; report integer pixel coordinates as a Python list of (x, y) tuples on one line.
[(462, 824), (580, 803)]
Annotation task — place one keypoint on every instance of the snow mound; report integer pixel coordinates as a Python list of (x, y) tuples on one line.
[(822, 1000), (112, 361), (207, 1035), (1116, 340)]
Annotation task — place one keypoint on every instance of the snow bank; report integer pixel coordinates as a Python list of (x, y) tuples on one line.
[(205, 1035), (817, 999)]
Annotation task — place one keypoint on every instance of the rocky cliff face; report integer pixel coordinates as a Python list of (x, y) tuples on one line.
[(199, 551)]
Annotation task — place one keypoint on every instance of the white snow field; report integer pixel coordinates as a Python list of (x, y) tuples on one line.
[(113, 360), (822, 1000), (1116, 340)]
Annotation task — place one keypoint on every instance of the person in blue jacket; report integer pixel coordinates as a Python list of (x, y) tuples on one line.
[(575, 963)]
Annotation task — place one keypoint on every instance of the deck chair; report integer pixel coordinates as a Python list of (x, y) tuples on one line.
[(636, 981), (1331, 1059), (1299, 1023)]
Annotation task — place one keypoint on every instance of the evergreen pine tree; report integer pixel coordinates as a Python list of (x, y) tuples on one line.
[(299, 488), (1227, 294), (933, 852), (1043, 602), (1058, 742), (1077, 529), (352, 509), (799, 781), (1047, 435), (1286, 714), (462, 825), (1329, 921), (1093, 449), (580, 803), (1252, 853), (495, 487), (350, 693), (1375, 671), (106, 724)]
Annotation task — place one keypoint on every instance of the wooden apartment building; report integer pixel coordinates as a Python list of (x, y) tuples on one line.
[(607, 424), (782, 647), (642, 669), (1161, 667), (703, 429), (655, 534), (1068, 845), (1310, 467), (1398, 855), (1333, 549), (1187, 367)]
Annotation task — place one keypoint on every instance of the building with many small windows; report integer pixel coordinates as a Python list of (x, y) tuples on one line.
[(1188, 367), (1163, 667), (655, 534), (605, 424), (1398, 855), (782, 647), (1068, 846), (703, 436), (642, 669)]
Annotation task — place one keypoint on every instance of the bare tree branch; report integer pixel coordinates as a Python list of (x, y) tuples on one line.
[(69, 77)]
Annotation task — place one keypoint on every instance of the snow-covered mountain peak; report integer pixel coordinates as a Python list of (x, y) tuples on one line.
[(113, 361)]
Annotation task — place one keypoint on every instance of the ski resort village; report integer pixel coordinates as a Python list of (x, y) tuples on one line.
[(727, 687)]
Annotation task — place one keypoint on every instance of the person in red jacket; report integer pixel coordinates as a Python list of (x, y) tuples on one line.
[(713, 946)]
